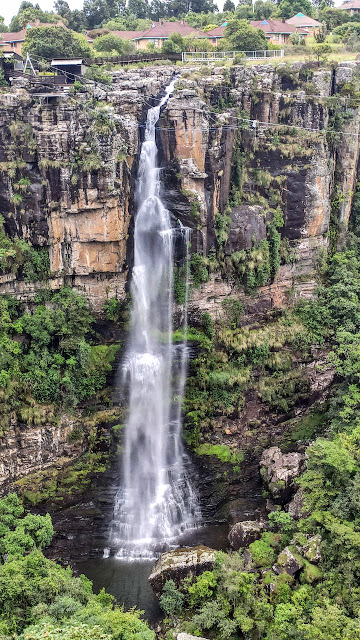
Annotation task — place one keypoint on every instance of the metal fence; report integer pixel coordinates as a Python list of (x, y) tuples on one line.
[(213, 56), (136, 57)]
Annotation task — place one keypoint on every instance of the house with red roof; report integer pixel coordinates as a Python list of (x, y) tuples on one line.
[(276, 31), (304, 23), (216, 34), (161, 31), (352, 6), (14, 41)]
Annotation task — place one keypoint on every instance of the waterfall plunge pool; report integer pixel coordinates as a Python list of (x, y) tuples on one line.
[(128, 581)]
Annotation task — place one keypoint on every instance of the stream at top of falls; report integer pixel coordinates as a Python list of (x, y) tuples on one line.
[(155, 502)]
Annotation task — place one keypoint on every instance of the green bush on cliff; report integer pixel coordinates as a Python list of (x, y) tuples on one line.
[(54, 361), (20, 257), (171, 599), (198, 269)]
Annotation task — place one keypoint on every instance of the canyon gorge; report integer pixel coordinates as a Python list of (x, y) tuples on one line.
[(260, 163)]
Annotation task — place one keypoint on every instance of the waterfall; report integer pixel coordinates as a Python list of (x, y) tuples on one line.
[(155, 502)]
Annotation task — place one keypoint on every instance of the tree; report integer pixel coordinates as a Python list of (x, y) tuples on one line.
[(244, 12), (99, 11), (176, 8), (320, 35), (332, 18), (192, 43), (77, 20), (15, 24), (62, 8), (30, 14), (175, 44), (229, 5), (203, 6), (243, 37), (171, 600), (3, 27), (111, 43), (263, 10), (139, 8), (321, 52), (55, 42), (288, 8), (157, 10)]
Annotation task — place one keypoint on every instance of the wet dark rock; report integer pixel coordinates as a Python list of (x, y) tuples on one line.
[(280, 470), (244, 533), (247, 227)]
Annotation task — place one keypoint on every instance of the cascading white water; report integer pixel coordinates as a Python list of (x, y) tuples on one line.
[(155, 502)]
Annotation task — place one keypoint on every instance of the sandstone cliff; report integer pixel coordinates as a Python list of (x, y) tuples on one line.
[(68, 161), (67, 168)]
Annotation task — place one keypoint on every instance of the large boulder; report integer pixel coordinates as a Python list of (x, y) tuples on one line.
[(244, 533), (179, 564), (185, 636), (280, 470), (296, 506), (289, 562), (312, 549)]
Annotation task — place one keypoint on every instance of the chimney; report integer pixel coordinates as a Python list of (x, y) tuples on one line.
[(161, 21), (283, 20)]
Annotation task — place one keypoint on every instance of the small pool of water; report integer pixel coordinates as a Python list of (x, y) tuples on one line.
[(128, 581)]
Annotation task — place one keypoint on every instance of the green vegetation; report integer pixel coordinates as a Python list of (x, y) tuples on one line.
[(55, 361), (255, 595), (19, 257), (243, 37), (235, 359), (220, 451), (110, 44), (55, 42), (39, 599)]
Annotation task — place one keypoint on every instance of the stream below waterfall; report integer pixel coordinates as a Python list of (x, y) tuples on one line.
[(128, 581)]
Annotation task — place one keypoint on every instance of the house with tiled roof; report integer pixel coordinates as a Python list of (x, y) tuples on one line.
[(352, 6), (216, 34), (14, 41), (276, 31), (161, 31), (304, 23)]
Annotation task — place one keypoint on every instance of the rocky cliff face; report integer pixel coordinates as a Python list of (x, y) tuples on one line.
[(229, 146), (253, 162), (66, 179)]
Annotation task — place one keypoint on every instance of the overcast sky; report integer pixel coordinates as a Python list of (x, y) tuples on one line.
[(10, 8)]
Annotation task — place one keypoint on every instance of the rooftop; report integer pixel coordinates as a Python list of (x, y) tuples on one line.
[(350, 4), (217, 32), (19, 36), (300, 20), (66, 61), (127, 35), (164, 29), (273, 26)]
